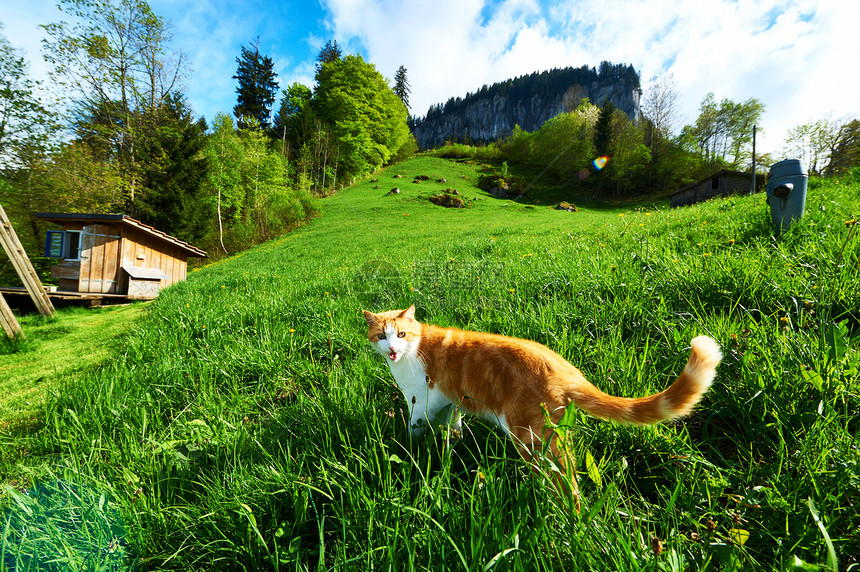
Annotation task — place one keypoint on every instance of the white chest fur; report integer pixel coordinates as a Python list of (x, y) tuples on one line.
[(423, 400)]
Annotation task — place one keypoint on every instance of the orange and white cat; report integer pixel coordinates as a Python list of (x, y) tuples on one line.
[(510, 381)]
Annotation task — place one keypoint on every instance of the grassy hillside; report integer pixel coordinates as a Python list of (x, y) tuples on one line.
[(53, 350), (245, 424)]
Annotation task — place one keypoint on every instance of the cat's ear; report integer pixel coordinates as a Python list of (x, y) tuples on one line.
[(409, 313), (371, 318)]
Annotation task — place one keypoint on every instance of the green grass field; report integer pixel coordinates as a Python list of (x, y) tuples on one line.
[(53, 350), (245, 424)]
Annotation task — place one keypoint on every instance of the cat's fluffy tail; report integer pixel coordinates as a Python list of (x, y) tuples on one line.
[(675, 401)]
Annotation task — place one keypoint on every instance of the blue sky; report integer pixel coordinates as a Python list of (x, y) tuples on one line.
[(797, 56)]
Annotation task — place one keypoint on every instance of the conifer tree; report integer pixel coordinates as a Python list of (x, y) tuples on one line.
[(401, 86), (331, 52), (603, 129), (257, 87), (173, 170)]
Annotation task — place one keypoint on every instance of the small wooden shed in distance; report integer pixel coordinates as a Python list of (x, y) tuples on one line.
[(115, 254), (720, 184)]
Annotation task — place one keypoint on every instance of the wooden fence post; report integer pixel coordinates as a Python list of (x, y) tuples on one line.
[(7, 320), (12, 246)]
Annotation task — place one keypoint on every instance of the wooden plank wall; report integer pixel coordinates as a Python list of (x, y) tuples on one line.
[(728, 184), (141, 250), (100, 254), (735, 185)]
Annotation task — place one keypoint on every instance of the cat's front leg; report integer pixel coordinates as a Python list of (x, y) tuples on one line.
[(457, 422), (424, 409), (418, 419)]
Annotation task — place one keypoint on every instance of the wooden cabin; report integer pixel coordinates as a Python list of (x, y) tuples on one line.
[(720, 184), (115, 254)]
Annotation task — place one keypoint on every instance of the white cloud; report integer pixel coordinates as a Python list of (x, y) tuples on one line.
[(433, 40), (794, 55), (790, 55)]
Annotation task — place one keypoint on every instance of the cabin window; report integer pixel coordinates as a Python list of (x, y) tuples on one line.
[(72, 245), (64, 244), (715, 184)]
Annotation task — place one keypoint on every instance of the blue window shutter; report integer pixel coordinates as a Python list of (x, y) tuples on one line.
[(54, 243)]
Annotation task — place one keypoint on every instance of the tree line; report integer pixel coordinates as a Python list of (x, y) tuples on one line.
[(120, 136), (600, 148), (537, 83), (349, 124)]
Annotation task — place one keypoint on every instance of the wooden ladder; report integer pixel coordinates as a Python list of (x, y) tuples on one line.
[(24, 268), (7, 320)]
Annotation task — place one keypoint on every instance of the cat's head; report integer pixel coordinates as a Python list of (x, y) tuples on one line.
[(394, 334)]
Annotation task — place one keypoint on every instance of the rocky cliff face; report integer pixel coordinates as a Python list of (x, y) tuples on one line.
[(492, 117)]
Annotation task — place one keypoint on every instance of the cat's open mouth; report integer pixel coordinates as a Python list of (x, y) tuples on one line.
[(393, 355)]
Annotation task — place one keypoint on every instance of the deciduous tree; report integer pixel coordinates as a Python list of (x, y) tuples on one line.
[(564, 144), (659, 109), (813, 143), (24, 121), (629, 155), (724, 131), (250, 185), (367, 118), (68, 178), (660, 104), (846, 154), (293, 123), (224, 152), (115, 63)]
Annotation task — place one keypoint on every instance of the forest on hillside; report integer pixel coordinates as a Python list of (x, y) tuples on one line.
[(537, 83), (118, 135), (602, 150), (123, 138)]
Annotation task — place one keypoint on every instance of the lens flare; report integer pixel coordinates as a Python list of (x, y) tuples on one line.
[(600, 162)]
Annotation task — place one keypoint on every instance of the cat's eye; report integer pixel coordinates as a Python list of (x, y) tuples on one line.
[(401, 334), (380, 336)]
